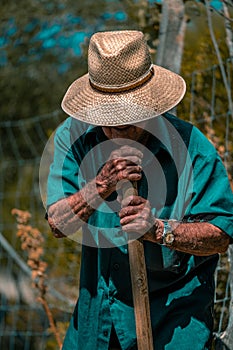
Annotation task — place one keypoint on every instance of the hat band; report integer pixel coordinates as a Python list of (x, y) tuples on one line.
[(125, 87)]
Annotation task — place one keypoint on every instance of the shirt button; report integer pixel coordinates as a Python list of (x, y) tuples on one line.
[(105, 333), (120, 233), (116, 267)]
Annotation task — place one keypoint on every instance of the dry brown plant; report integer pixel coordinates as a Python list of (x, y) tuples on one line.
[(32, 242)]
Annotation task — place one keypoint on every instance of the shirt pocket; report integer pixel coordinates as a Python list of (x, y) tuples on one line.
[(162, 258)]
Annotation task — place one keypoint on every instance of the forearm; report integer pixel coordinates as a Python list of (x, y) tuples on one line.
[(68, 214), (199, 238)]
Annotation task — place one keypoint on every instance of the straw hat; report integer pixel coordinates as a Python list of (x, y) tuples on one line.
[(122, 85)]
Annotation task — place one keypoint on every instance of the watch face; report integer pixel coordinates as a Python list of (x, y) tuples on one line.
[(169, 238), (168, 235)]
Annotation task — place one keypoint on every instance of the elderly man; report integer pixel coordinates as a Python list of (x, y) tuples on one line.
[(120, 131)]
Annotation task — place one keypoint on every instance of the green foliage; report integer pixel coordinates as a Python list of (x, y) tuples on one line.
[(30, 81), (37, 49), (199, 52)]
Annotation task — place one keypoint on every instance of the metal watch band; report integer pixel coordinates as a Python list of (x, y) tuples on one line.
[(168, 235)]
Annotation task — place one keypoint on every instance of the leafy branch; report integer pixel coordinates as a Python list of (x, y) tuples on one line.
[(31, 242)]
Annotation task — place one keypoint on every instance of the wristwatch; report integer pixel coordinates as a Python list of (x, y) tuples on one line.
[(168, 235)]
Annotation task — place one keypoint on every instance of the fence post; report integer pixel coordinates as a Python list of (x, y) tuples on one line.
[(227, 336)]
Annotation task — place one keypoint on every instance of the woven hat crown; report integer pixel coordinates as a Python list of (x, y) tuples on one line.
[(118, 59)]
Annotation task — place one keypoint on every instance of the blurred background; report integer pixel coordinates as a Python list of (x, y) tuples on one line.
[(43, 48)]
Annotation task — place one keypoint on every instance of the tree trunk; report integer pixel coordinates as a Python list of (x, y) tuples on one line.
[(218, 53), (229, 35), (171, 36)]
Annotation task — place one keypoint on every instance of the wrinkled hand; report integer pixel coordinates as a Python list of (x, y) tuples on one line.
[(54, 229), (136, 216), (123, 164)]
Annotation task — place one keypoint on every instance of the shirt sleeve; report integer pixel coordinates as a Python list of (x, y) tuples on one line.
[(64, 170), (212, 198)]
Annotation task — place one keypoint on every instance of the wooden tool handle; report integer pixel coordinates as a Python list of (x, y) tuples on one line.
[(139, 284)]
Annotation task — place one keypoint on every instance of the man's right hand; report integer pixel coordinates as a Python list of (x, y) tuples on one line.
[(123, 164)]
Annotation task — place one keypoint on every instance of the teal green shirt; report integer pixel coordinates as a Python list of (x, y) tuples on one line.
[(184, 179)]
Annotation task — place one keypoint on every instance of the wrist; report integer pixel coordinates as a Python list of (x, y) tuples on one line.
[(168, 235), (158, 231), (163, 231), (169, 227), (155, 233)]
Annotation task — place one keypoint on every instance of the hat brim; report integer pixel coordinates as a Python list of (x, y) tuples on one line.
[(160, 94)]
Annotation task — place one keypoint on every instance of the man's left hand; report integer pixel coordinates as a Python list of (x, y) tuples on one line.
[(136, 216)]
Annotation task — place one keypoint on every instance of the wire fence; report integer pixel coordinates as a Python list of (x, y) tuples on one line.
[(23, 321)]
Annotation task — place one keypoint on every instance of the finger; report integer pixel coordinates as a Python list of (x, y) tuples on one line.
[(131, 210), (130, 176), (129, 150), (58, 235), (129, 219), (143, 217), (133, 160), (139, 227), (122, 169), (126, 151), (130, 167), (133, 201), (127, 159)]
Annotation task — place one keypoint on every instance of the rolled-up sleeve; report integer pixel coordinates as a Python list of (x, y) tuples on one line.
[(64, 170), (212, 197)]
